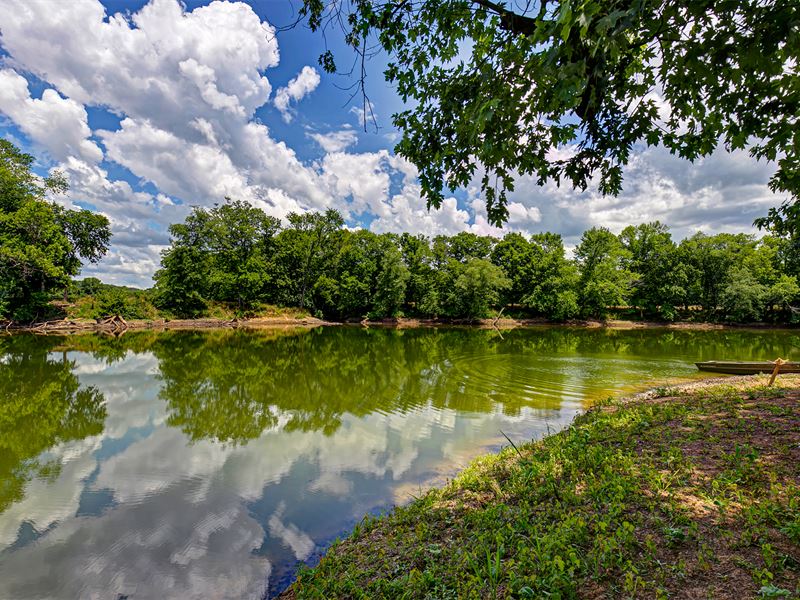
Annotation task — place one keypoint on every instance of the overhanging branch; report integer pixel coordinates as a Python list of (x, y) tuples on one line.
[(509, 21)]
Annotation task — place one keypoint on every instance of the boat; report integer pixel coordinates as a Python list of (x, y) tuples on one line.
[(747, 368)]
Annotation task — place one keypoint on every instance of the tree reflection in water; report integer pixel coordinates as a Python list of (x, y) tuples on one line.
[(229, 455), (41, 404)]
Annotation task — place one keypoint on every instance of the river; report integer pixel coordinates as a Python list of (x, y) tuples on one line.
[(211, 464)]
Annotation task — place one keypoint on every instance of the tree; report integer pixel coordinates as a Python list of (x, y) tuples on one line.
[(662, 278), (366, 279), (742, 297), (241, 244), (222, 253), (90, 286), (552, 289), (390, 284), (306, 247), (476, 288), (465, 245), (494, 87), (88, 234), (781, 296), (421, 285), (513, 254), (603, 279), (709, 260), (182, 280), (41, 243), (784, 223)]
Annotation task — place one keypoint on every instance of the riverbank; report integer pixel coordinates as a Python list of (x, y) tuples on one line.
[(117, 325), (684, 492)]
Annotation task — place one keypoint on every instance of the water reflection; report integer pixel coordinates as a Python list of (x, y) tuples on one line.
[(206, 465), (43, 406)]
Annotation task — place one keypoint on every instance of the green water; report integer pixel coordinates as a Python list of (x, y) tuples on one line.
[(210, 464)]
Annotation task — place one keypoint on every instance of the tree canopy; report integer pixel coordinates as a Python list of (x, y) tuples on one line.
[(41, 243), (314, 262), (562, 90)]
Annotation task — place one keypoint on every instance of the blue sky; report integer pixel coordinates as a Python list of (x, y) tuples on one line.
[(150, 107)]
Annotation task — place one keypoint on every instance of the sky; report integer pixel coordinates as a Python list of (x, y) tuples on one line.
[(151, 107)]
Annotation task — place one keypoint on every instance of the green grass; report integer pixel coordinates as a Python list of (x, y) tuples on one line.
[(687, 496)]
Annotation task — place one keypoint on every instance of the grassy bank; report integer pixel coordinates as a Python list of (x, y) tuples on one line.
[(690, 493)]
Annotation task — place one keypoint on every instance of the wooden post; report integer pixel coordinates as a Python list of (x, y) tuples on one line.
[(778, 363)]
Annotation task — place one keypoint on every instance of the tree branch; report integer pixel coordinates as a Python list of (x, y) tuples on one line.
[(510, 21)]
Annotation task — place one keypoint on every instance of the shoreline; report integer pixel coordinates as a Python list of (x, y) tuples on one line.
[(116, 325), (669, 492)]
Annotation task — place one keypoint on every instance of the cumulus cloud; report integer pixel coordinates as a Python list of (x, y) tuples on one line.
[(335, 141), (185, 86), (721, 192), (299, 87), (58, 124), (162, 63)]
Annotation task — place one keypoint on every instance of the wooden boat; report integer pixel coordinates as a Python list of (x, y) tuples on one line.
[(746, 368)]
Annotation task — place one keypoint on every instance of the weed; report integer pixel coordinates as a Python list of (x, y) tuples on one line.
[(636, 499)]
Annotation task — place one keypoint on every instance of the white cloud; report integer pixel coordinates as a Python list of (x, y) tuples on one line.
[(407, 212), (363, 177), (335, 141), (299, 87), (175, 165), (722, 192), (59, 125), (162, 63), (186, 85)]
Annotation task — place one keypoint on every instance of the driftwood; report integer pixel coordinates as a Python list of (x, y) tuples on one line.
[(497, 318), (115, 322)]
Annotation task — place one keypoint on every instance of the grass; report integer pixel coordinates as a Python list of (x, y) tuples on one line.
[(683, 494), (137, 305)]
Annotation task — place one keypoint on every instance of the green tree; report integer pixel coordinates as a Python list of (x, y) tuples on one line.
[(742, 297), (552, 279), (366, 279), (305, 249), (784, 223), (90, 286), (88, 234), (421, 288), (41, 243), (497, 86), (241, 244), (182, 281), (345, 287), (709, 260), (604, 281), (662, 278), (392, 277), (476, 288), (514, 255), (223, 253), (781, 297), (465, 245)]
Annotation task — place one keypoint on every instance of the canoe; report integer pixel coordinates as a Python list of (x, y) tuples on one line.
[(746, 368)]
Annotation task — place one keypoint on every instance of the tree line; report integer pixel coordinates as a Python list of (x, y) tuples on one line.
[(235, 253)]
